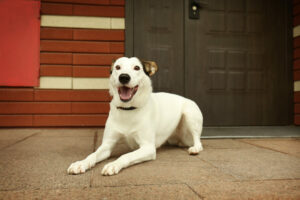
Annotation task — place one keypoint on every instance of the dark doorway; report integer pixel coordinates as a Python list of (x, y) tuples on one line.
[(234, 61)]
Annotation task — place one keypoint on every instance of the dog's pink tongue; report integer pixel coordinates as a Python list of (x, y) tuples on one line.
[(125, 93)]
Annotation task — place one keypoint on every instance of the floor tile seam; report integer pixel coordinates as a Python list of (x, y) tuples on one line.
[(63, 136), (268, 148), (87, 187), (234, 176), (216, 167), (140, 185), (137, 185), (194, 191), (95, 140), (200, 159), (43, 189), (270, 180), (21, 140)]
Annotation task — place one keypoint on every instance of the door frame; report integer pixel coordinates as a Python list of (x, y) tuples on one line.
[(129, 46), (129, 28)]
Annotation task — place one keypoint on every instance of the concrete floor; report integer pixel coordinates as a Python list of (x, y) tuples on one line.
[(33, 165)]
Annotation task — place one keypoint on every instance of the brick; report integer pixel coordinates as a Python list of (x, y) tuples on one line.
[(78, 22), (297, 120), (89, 108), (56, 9), (34, 107), (72, 95), (297, 75), (69, 120), (103, 35), (296, 20), (297, 108), (94, 59), (117, 47), (117, 2), (56, 58), (90, 95), (296, 53), (296, 64), (100, 11), (296, 2), (55, 82), (95, 2), (11, 94), (90, 83), (88, 71), (117, 23), (296, 42), (75, 46), (56, 70), (52, 95), (296, 9), (16, 120), (56, 33), (297, 97)]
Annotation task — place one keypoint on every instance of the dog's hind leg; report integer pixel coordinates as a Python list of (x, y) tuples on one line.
[(191, 127)]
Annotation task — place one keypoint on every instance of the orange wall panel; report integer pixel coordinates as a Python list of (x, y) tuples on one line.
[(68, 52), (20, 41)]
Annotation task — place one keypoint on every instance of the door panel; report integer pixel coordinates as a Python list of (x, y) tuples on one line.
[(235, 58), (232, 61), (158, 36)]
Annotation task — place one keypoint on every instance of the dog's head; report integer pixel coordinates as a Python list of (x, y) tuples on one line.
[(130, 84)]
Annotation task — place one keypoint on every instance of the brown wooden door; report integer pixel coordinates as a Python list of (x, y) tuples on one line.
[(233, 61)]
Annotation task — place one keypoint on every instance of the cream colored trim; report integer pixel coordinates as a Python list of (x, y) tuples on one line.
[(117, 23), (297, 86), (82, 22), (90, 83), (48, 82), (296, 31)]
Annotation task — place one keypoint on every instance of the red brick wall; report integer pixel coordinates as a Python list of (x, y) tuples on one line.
[(296, 67), (71, 53)]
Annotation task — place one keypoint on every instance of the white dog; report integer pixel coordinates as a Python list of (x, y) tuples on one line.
[(147, 120)]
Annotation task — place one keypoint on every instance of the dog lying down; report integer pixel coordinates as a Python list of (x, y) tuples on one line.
[(146, 120)]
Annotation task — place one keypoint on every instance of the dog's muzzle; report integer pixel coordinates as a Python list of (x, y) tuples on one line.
[(126, 93)]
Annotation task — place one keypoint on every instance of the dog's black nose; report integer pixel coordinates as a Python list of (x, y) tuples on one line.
[(124, 78)]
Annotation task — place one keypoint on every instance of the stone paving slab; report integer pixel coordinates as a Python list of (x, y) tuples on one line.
[(165, 192), (250, 131), (289, 146), (9, 137), (42, 162), (266, 190), (224, 144), (161, 171), (254, 163), (34, 164)]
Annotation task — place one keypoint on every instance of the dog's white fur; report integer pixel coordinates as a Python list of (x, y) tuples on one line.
[(157, 119)]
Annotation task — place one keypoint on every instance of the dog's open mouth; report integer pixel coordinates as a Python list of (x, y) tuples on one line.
[(127, 93)]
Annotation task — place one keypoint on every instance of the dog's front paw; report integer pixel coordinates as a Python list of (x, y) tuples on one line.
[(111, 169), (80, 167), (194, 150)]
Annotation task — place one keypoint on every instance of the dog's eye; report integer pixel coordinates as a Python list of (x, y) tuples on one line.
[(118, 67), (136, 68)]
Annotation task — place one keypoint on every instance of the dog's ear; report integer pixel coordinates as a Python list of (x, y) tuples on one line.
[(112, 65), (150, 67)]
